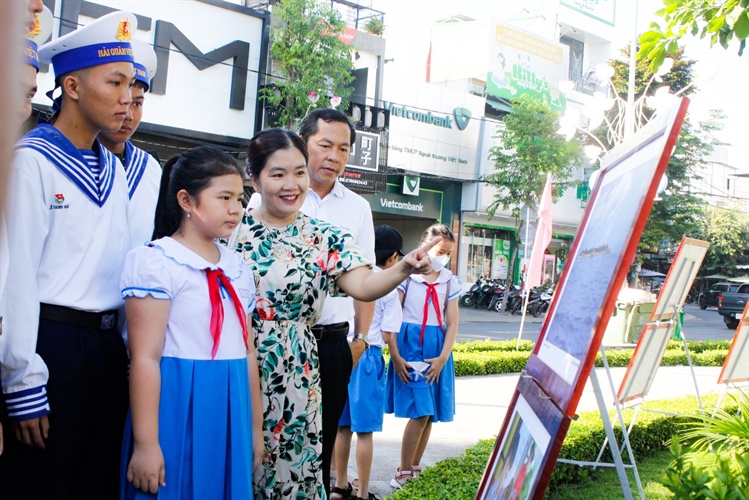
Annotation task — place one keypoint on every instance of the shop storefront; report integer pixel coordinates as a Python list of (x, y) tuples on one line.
[(206, 86), (486, 251), (435, 202)]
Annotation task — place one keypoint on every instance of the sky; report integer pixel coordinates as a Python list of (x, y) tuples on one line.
[(722, 76)]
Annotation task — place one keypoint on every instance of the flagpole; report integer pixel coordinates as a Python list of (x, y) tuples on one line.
[(525, 258), (522, 320)]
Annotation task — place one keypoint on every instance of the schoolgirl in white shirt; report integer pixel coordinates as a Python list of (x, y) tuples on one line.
[(421, 373)]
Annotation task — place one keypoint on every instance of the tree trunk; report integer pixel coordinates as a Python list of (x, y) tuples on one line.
[(511, 268)]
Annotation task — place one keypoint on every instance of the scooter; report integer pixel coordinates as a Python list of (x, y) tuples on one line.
[(497, 294), (514, 300), (473, 296), (541, 303)]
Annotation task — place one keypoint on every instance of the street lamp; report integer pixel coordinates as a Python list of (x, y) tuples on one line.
[(628, 115)]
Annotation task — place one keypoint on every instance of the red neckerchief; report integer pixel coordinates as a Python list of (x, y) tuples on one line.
[(431, 294), (215, 278)]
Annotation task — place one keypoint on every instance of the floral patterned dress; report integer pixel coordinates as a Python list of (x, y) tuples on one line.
[(297, 267)]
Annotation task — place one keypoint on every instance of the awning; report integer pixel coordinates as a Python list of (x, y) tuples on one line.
[(717, 277), (647, 273)]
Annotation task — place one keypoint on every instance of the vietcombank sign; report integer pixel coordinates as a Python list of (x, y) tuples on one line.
[(427, 205), (461, 116)]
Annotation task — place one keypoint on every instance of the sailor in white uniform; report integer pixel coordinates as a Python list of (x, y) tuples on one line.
[(64, 364), (142, 169)]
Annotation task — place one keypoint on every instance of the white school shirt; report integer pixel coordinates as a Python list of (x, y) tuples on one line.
[(343, 208), (62, 249), (387, 317), (167, 270), (143, 181), (413, 306)]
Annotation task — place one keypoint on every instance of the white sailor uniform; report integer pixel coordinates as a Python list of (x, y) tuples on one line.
[(67, 237), (143, 180)]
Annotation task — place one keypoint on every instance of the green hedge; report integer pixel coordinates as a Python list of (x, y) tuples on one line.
[(458, 478), (491, 357)]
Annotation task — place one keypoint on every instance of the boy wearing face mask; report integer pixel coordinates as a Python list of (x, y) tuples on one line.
[(421, 372)]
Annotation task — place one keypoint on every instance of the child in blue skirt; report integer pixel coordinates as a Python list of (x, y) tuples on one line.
[(421, 372), (365, 405), (195, 431)]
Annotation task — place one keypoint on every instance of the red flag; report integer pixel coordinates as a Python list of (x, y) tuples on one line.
[(429, 63), (543, 238)]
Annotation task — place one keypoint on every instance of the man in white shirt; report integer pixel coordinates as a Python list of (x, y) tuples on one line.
[(142, 169)]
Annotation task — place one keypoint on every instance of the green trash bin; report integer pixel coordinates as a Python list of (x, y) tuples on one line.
[(677, 329), (638, 317), (617, 327)]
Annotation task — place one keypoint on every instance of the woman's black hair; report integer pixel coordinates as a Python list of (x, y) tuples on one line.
[(266, 143), (437, 230), (191, 171)]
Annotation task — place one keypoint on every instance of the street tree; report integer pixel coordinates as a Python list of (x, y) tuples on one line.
[(311, 64), (529, 149), (721, 21), (727, 230)]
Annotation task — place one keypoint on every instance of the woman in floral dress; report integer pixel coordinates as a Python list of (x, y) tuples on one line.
[(298, 261)]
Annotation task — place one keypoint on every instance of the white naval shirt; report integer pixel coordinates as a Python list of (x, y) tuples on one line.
[(62, 249), (344, 208), (145, 194)]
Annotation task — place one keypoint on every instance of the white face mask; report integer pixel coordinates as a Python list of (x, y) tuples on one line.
[(439, 262)]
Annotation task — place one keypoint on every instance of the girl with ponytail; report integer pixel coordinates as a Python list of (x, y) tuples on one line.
[(193, 365)]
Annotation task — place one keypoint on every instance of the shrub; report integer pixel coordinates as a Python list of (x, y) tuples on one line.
[(710, 476), (492, 357)]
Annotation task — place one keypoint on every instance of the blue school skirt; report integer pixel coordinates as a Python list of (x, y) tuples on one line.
[(417, 398), (205, 432), (366, 394)]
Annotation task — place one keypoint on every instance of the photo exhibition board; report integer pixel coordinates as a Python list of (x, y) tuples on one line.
[(601, 256), (681, 275), (586, 295), (516, 462), (736, 366), (645, 361)]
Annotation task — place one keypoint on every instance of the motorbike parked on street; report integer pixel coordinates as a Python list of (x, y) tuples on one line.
[(540, 304), (514, 300), (482, 294)]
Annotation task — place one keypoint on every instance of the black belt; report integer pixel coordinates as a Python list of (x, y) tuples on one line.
[(334, 331), (106, 320)]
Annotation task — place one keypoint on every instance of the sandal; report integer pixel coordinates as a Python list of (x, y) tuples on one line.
[(345, 493), (371, 496), (399, 474), (416, 469)]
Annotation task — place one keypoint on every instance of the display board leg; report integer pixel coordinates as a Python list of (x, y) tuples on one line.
[(689, 357), (626, 490)]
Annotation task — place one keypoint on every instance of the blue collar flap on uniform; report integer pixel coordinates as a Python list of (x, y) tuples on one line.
[(136, 161), (51, 143)]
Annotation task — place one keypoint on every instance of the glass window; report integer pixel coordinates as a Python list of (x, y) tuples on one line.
[(488, 252)]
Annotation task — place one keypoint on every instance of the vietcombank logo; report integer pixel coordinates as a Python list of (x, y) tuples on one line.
[(461, 116)]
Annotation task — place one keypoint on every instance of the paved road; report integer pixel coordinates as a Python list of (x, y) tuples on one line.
[(479, 324)]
